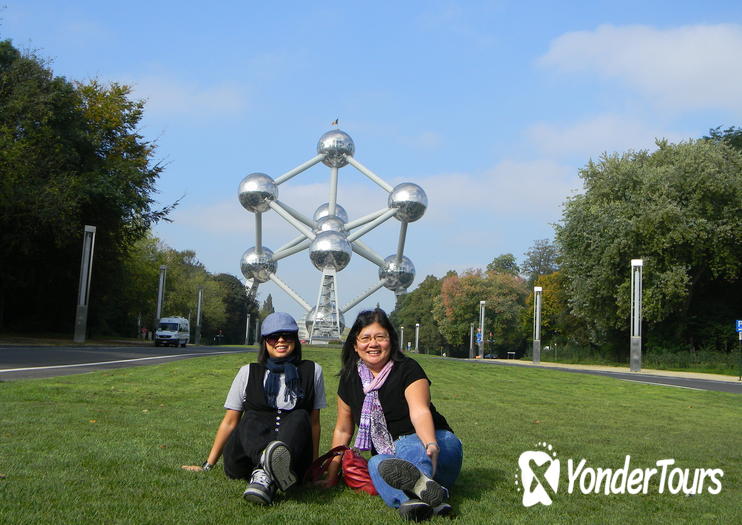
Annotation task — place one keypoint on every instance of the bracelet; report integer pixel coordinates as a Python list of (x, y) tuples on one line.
[(206, 466), (432, 443)]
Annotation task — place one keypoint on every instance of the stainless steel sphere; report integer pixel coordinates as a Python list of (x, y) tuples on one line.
[(256, 266), (330, 250), (336, 144), (329, 223), (397, 276), (324, 211), (323, 314), (410, 201), (256, 190)]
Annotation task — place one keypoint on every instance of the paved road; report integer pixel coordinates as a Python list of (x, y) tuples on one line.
[(30, 362), (655, 377)]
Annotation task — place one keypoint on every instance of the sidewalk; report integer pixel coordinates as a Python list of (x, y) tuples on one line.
[(616, 369)]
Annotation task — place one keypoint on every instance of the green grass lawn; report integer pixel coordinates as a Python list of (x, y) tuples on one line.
[(107, 447)]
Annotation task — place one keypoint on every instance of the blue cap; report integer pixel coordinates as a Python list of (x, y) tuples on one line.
[(278, 322)]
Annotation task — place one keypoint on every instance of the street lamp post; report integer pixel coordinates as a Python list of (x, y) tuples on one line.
[(471, 340), (417, 337), (635, 359), (86, 271), (537, 290), (401, 338), (247, 330), (481, 328), (198, 315), (160, 294)]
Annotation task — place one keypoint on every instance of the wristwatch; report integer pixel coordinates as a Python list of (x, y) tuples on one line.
[(207, 466), (432, 443)]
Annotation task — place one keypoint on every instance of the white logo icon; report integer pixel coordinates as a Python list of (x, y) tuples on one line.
[(539, 475)]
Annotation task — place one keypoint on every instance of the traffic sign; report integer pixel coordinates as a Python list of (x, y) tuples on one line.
[(739, 325)]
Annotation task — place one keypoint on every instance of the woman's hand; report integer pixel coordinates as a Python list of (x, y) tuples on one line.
[(193, 468), (432, 450), (332, 475)]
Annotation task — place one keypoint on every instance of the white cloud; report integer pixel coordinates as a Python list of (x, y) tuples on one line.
[(591, 137), (516, 188), (170, 96), (684, 68)]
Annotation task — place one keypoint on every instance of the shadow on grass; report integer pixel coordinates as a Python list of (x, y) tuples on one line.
[(317, 495), (473, 483)]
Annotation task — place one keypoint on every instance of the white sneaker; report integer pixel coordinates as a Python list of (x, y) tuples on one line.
[(276, 460), (261, 488)]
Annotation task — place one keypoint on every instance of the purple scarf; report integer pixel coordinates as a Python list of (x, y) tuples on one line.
[(372, 429)]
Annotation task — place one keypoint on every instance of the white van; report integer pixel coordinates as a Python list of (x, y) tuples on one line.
[(173, 331)]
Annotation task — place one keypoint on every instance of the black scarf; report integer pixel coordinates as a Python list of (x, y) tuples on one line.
[(286, 366)]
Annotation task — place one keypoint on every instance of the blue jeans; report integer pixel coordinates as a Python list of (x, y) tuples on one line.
[(411, 449)]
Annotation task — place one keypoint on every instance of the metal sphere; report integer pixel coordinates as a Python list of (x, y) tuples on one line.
[(330, 223), (397, 276), (258, 267), (336, 144), (323, 314), (256, 190), (410, 201), (330, 250), (324, 211)]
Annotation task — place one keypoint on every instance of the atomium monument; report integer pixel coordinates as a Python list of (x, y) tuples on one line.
[(328, 235)]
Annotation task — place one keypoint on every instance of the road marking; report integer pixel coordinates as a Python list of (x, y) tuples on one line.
[(661, 384), (108, 362)]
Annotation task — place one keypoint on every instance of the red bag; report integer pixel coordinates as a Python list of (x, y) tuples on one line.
[(354, 469)]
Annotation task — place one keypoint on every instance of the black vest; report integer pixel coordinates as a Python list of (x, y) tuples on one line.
[(255, 398)]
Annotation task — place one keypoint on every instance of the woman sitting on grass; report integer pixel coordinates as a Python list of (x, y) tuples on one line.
[(387, 395), (270, 432)]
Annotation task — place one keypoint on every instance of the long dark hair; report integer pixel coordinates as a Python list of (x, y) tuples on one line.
[(349, 357), (263, 352)]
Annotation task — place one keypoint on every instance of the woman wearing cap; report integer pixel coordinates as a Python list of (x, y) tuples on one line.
[(387, 396), (270, 432)]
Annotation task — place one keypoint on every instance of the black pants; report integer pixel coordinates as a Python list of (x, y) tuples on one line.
[(253, 433)]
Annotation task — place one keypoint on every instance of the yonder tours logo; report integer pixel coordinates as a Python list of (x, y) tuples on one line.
[(540, 475)]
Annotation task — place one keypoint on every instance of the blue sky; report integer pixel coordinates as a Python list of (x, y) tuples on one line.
[(491, 106)]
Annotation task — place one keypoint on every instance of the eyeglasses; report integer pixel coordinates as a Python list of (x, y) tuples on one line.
[(379, 338), (272, 339)]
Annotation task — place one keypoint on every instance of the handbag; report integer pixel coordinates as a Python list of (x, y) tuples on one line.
[(354, 469)]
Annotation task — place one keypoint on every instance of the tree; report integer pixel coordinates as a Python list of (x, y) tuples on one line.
[(236, 307), (416, 307), (732, 136), (558, 325), (267, 307), (680, 210), (504, 264), (457, 307), (70, 155), (541, 259)]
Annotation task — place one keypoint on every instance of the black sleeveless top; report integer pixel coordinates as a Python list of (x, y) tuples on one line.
[(255, 398)]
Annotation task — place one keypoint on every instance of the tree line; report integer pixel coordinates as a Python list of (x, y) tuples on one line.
[(679, 209), (224, 303), (447, 309)]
